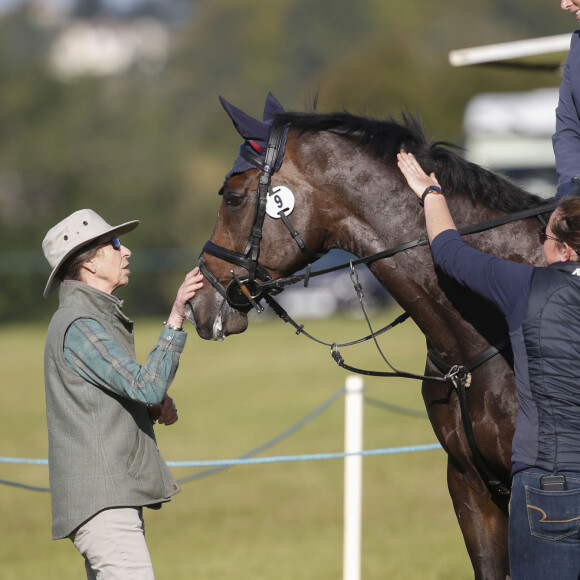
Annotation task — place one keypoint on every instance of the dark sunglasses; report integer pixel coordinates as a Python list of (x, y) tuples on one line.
[(115, 242), (543, 236)]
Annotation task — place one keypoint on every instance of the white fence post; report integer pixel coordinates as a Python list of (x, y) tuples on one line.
[(353, 444)]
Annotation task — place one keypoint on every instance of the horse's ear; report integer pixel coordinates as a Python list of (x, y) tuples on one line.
[(249, 128), (271, 107)]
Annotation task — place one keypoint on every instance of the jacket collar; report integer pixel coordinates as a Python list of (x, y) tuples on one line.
[(73, 293)]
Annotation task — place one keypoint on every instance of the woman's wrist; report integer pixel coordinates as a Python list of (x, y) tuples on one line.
[(175, 321), (431, 189)]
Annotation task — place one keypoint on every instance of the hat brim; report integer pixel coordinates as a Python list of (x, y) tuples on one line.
[(53, 281)]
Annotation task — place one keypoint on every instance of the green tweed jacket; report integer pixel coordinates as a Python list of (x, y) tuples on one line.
[(102, 448)]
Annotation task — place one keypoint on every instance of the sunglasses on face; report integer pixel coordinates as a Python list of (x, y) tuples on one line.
[(115, 242), (543, 236)]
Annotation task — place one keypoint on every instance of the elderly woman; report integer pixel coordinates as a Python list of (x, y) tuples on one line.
[(542, 309), (101, 404)]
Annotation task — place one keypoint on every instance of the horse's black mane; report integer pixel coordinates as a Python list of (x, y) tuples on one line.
[(385, 138)]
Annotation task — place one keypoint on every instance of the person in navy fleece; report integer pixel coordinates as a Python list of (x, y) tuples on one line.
[(542, 308)]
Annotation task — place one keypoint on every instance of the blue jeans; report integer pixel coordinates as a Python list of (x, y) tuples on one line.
[(544, 528)]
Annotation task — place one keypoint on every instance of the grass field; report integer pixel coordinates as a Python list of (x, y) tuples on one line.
[(276, 520)]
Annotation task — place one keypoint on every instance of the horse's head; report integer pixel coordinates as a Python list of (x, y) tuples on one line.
[(307, 182), (260, 234)]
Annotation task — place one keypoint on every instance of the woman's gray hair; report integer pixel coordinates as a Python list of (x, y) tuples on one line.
[(72, 266)]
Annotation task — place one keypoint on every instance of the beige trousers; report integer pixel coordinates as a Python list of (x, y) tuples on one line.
[(113, 545)]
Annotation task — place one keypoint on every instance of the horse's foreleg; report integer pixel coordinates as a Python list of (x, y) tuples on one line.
[(483, 523)]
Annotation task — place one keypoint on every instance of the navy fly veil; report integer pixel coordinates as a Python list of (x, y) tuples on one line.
[(255, 133)]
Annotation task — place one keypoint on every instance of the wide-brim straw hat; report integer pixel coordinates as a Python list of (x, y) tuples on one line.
[(71, 234)]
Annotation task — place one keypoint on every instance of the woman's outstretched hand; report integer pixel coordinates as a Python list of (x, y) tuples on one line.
[(417, 179)]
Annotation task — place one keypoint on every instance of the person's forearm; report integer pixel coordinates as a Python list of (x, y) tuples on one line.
[(437, 216), (91, 352)]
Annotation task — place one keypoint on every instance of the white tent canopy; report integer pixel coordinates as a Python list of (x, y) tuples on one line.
[(547, 51)]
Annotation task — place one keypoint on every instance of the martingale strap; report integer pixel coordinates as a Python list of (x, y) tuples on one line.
[(461, 378)]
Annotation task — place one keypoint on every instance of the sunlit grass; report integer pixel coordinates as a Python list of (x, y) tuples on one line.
[(278, 520)]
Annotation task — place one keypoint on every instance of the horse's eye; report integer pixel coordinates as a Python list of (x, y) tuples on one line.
[(233, 200)]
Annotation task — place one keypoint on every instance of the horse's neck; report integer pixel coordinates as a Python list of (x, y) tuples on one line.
[(410, 276), (374, 211)]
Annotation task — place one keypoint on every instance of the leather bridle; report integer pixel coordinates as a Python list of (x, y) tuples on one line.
[(245, 292)]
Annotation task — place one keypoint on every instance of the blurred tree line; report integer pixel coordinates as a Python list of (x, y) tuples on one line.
[(156, 145)]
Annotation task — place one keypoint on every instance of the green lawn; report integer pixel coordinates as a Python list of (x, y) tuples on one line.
[(277, 520)]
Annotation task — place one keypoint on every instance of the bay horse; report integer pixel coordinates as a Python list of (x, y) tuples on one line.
[(306, 182)]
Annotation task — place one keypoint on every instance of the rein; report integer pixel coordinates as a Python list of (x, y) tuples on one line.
[(537, 211)]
